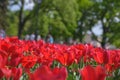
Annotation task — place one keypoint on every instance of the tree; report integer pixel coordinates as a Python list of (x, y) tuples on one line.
[(23, 15), (3, 14), (106, 11), (84, 9), (56, 15)]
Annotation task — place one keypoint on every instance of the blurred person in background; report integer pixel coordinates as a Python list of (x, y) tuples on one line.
[(38, 37), (2, 33), (50, 38), (32, 36), (27, 37)]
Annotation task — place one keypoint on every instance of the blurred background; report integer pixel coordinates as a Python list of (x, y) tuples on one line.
[(68, 21)]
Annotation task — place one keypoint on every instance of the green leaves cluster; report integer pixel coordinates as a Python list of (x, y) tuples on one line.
[(56, 15), (3, 14)]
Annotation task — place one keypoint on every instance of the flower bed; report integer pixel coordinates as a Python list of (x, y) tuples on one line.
[(30, 60)]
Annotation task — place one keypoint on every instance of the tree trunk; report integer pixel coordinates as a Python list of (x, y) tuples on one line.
[(104, 36), (20, 24), (81, 32), (103, 41), (20, 28), (80, 26)]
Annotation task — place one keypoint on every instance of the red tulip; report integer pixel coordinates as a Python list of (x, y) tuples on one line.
[(28, 61), (66, 59), (100, 55), (16, 73), (88, 73), (91, 73), (6, 72), (45, 73), (100, 72), (60, 73)]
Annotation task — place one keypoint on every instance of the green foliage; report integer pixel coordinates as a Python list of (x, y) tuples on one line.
[(13, 26), (3, 14), (84, 4), (107, 11), (85, 8), (56, 15)]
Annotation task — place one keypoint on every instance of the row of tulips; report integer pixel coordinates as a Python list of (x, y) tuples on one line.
[(37, 60)]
